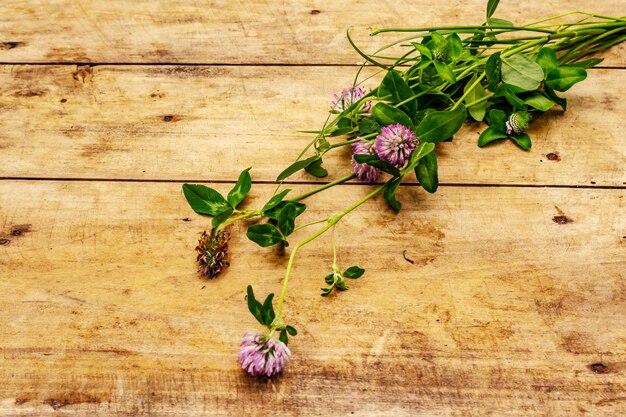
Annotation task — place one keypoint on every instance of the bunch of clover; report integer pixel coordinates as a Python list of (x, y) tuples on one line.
[(496, 72)]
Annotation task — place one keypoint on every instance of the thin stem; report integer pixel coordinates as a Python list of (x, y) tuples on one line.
[(468, 90), (573, 51), (322, 188), (523, 47), (340, 144), (554, 18), (331, 222), (310, 224), (480, 100), (245, 215), (430, 90), (332, 243), (461, 28), (598, 48)]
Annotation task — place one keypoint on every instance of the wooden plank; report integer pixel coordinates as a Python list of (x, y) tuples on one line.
[(208, 123), (503, 311), (251, 32)]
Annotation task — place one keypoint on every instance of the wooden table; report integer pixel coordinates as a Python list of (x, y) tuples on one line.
[(513, 300)]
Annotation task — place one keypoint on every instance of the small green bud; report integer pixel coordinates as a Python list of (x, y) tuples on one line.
[(518, 122), (441, 52)]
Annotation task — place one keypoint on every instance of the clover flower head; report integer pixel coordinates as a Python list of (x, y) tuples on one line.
[(518, 122), (260, 354), (211, 251), (395, 144), (441, 52), (364, 172), (349, 96)]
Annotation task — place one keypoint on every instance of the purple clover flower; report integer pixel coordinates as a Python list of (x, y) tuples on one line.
[(364, 172), (260, 354), (349, 96), (395, 144)]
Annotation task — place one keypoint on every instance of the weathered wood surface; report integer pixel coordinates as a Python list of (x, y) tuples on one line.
[(249, 32), (502, 312), (208, 123)]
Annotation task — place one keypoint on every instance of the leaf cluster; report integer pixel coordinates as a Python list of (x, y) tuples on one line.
[(336, 280), (206, 200)]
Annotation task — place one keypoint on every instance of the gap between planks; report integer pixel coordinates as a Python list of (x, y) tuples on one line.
[(264, 182)]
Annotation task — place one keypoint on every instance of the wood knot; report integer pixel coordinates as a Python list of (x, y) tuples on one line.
[(11, 45), (561, 219), (83, 73), (599, 368)]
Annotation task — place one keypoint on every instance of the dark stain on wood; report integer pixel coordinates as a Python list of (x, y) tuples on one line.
[(162, 53), (407, 259), (20, 401), (31, 92), (20, 229), (5, 241), (553, 156), (11, 45), (63, 100), (83, 73), (102, 146), (315, 11), (171, 118), (67, 54), (576, 342), (561, 218), (599, 368), (55, 403), (70, 399)]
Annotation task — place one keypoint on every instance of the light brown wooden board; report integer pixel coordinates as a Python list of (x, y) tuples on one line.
[(209, 123), (502, 312), (250, 32)]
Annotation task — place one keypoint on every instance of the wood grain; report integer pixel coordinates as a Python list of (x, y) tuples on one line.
[(208, 123), (503, 311), (249, 32)]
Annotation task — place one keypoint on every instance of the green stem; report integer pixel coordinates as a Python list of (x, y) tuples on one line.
[(480, 100), (524, 46), (460, 28), (430, 90), (565, 15), (246, 215), (345, 142), (573, 51), (332, 242), (310, 224), (322, 188), (331, 222), (598, 48), (469, 90)]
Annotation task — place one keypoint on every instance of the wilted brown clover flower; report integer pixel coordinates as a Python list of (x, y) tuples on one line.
[(211, 250)]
